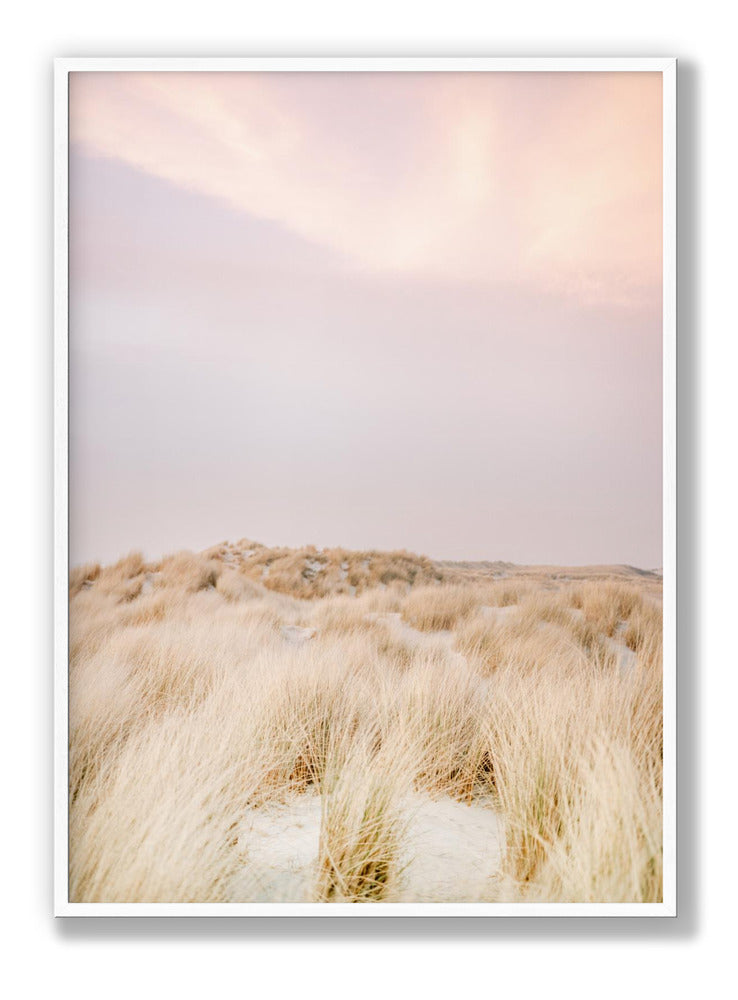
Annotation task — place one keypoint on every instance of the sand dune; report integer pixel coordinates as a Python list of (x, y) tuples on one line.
[(275, 724)]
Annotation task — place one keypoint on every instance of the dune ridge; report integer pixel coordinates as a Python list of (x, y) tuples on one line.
[(212, 691)]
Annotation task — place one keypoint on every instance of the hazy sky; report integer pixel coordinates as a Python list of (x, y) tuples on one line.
[(377, 310)]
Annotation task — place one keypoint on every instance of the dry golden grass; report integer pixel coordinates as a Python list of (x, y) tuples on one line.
[(433, 609), (605, 605), (576, 764), (362, 826), (309, 572), (200, 689)]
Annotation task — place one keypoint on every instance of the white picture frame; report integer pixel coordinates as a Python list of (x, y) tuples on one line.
[(62, 68)]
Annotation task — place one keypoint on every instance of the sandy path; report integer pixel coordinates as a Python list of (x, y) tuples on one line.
[(450, 852), (414, 637)]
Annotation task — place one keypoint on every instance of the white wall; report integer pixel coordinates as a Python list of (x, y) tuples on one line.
[(570, 958)]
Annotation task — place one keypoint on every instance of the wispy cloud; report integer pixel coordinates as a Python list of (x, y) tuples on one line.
[(551, 181)]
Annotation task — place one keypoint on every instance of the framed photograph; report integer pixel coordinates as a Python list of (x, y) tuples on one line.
[(365, 486)]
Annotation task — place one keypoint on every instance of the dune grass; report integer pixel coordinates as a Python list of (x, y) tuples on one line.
[(190, 704)]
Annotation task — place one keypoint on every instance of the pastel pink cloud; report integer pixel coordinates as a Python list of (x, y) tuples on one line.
[(547, 180)]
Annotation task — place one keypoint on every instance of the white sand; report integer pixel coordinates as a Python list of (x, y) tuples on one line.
[(627, 658), (450, 853), (499, 614), (419, 640), (296, 635)]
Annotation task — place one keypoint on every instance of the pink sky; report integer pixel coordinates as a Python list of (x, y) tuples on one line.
[(388, 310)]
